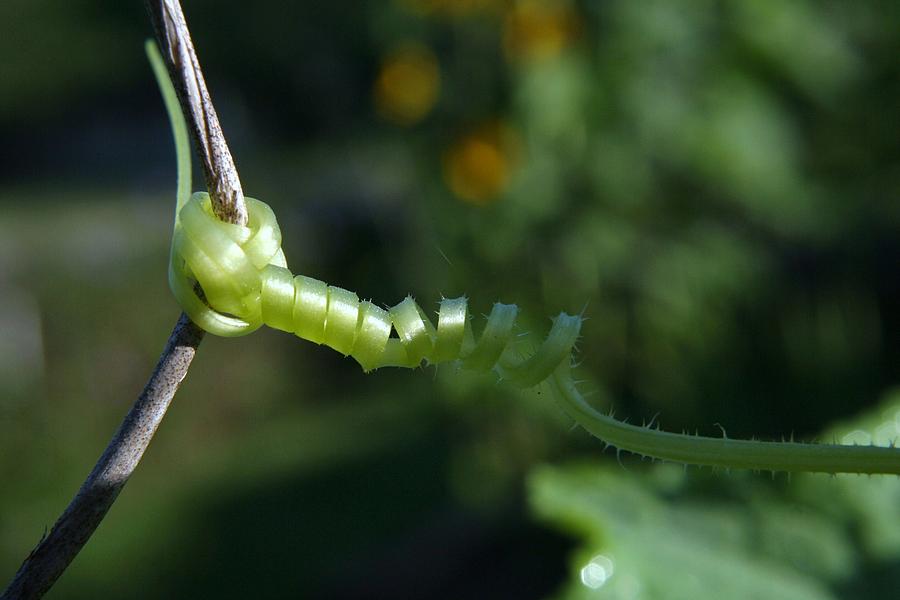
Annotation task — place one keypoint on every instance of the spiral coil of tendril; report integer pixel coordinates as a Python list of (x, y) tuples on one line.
[(246, 283)]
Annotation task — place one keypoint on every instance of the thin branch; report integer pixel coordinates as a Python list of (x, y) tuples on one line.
[(55, 551), (184, 68), (72, 530)]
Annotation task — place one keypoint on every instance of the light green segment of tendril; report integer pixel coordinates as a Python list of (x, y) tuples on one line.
[(176, 120), (243, 272)]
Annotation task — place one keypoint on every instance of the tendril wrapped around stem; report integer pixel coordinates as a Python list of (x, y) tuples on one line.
[(242, 271), (244, 277)]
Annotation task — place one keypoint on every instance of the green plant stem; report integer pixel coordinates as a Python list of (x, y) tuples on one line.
[(723, 452)]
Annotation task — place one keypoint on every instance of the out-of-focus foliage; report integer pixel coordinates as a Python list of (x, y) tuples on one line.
[(715, 183), (870, 506)]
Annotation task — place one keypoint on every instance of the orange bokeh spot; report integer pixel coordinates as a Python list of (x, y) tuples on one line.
[(478, 167), (408, 84), (538, 29)]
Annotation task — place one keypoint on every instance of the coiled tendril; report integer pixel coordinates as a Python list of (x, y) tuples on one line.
[(243, 272), (246, 283)]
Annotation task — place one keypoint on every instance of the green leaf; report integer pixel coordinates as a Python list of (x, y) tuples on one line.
[(637, 545)]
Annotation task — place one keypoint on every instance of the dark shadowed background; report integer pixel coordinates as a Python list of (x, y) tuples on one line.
[(714, 183)]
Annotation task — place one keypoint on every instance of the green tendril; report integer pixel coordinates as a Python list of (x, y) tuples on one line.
[(246, 283)]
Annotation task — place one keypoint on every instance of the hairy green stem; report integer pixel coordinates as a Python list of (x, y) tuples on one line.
[(722, 452)]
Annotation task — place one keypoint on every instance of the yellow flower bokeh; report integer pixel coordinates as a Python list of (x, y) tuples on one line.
[(539, 29), (478, 167), (408, 84)]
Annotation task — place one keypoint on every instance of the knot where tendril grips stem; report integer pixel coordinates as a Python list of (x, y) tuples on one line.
[(225, 260)]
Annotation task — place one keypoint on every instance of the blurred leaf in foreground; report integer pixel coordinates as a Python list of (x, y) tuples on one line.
[(645, 536)]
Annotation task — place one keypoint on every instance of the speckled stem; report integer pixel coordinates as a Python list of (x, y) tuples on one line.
[(49, 559), (177, 51)]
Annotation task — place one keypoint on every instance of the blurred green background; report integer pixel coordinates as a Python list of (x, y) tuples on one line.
[(714, 183)]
